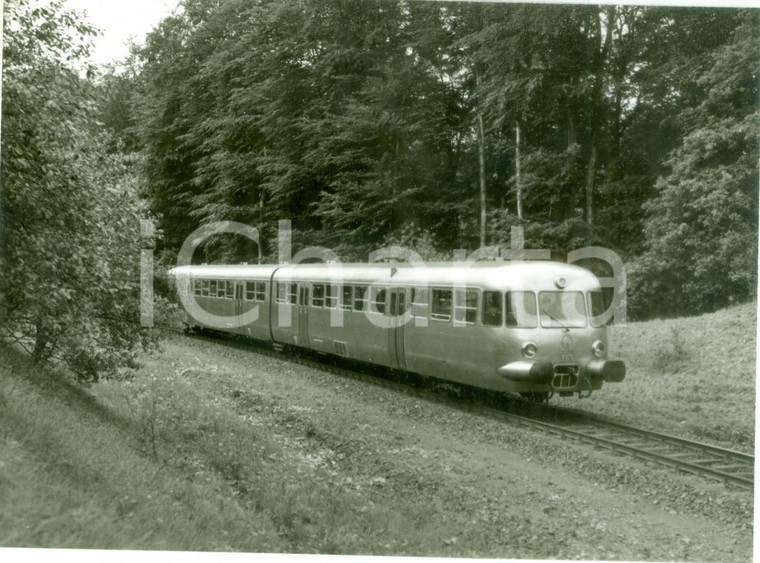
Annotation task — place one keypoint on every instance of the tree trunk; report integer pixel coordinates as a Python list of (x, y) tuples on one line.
[(518, 183), (482, 174), (394, 182), (40, 343), (600, 54), (572, 135), (261, 222), (481, 134), (590, 182)]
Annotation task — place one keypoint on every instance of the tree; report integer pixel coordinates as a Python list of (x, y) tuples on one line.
[(701, 228), (69, 236)]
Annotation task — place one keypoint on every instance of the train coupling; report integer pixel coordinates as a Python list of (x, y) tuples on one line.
[(610, 371), (533, 372)]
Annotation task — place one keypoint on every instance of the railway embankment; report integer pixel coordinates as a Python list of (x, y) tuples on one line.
[(692, 377), (210, 446)]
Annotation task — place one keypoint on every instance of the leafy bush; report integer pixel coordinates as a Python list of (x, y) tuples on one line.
[(701, 228), (70, 240)]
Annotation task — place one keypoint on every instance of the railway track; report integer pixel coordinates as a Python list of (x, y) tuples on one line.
[(716, 463), (731, 467)]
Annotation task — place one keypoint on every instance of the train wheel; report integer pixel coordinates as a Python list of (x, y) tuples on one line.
[(536, 397)]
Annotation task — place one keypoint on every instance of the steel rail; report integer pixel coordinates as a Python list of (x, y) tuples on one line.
[(676, 441), (643, 452)]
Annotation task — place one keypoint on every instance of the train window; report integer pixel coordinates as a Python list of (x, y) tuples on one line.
[(318, 295), (204, 288), (599, 303), (441, 305), (249, 291), (360, 298), (521, 309), (377, 300), (220, 289), (347, 298), (466, 305), (230, 289), (562, 309), (197, 287), (212, 288), (403, 304), (261, 291), (493, 312), (293, 293), (282, 292), (331, 296), (420, 298)]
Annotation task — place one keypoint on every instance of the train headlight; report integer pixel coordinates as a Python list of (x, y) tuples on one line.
[(560, 282), (530, 350), (598, 348)]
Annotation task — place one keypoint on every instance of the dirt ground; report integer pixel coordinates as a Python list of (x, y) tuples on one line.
[(473, 486)]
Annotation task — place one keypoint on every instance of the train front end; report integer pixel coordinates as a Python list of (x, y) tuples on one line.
[(559, 327)]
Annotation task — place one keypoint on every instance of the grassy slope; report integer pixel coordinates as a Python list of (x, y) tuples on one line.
[(77, 474), (157, 463), (692, 376)]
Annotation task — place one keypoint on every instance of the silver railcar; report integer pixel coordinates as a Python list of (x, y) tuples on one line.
[(532, 328)]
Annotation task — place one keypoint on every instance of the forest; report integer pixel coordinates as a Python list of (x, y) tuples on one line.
[(366, 123)]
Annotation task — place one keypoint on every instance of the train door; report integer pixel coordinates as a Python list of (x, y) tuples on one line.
[(396, 310), (303, 316), (239, 290)]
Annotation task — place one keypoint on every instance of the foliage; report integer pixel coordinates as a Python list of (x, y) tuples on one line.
[(701, 232), (70, 216), (358, 121), (419, 241)]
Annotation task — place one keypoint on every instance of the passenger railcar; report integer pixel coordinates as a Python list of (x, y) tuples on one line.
[(531, 328)]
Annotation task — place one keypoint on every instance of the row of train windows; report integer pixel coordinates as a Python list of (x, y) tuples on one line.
[(516, 308), (225, 289), (373, 299)]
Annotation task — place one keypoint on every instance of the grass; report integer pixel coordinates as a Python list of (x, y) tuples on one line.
[(74, 474), (151, 462), (692, 376), (184, 455)]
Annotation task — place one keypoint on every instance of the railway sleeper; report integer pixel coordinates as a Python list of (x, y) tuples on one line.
[(689, 456), (638, 444), (728, 468), (711, 462)]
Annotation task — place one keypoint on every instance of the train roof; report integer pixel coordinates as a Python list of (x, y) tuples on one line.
[(227, 271), (488, 274)]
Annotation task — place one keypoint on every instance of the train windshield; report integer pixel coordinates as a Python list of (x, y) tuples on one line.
[(562, 309), (521, 309)]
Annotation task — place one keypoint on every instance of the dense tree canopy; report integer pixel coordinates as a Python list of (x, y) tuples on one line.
[(364, 122), (701, 233), (438, 125)]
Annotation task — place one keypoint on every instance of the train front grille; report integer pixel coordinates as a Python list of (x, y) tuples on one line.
[(565, 376)]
